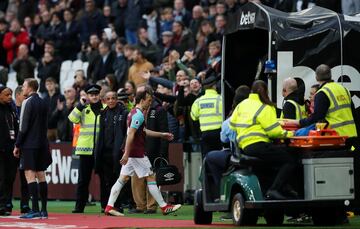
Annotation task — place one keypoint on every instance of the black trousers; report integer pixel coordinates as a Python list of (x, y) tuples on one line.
[(210, 140), (8, 168), (86, 166), (274, 155)]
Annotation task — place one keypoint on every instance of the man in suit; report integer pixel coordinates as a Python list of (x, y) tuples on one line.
[(103, 63)]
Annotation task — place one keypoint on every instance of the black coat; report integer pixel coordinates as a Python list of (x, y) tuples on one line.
[(119, 138), (156, 120), (8, 118), (97, 70), (33, 124)]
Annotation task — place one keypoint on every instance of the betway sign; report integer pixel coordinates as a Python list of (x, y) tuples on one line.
[(60, 171), (247, 18), (287, 69)]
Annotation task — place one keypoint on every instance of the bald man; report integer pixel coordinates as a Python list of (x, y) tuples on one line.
[(293, 105)]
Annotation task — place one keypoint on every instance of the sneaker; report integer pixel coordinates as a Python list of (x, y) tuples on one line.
[(169, 208), (109, 210), (25, 209), (31, 215), (150, 211), (135, 211), (44, 214)]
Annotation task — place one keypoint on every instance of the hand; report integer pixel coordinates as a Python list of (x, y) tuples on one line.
[(16, 152), (13, 40), (124, 159), (83, 100), (59, 105), (145, 75), (167, 136), (189, 55)]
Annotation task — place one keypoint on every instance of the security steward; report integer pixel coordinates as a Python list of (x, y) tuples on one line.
[(255, 123), (332, 102), (87, 114), (208, 109), (294, 104)]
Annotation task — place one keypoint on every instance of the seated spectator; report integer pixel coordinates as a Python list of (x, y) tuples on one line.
[(180, 13), (24, 64), (89, 51)]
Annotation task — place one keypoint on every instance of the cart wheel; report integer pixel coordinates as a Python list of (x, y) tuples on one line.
[(240, 215), (274, 217), (201, 216)]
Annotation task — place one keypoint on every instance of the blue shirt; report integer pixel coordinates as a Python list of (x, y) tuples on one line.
[(227, 135)]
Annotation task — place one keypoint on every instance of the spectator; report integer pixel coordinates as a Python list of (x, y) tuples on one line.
[(50, 48), (131, 91), (118, 9), (167, 43), (43, 33), (52, 98), (132, 20), (55, 30), (102, 64), (70, 41), (220, 24), (197, 18), (214, 60), (80, 82), (111, 82), (150, 50), (3, 31), (183, 39), (180, 13), (90, 51), (151, 22), (139, 66), (47, 68), (13, 39), (167, 20), (121, 63), (107, 15), (92, 22), (24, 64), (220, 8), (63, 109)]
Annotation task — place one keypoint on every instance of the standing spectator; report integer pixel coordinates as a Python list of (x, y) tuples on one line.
[(52, 98), (167, 20), (24, 64), (63, 109), (32, 147), (102, 64), (107, 15), (167, 43), (70, 41), (92, 22), (183, 39), (139, 66), (25, 8), (80, 82), (56, 29), (220, 24), (214, 60), (90, 51), (108, 151), (3, 31), (149, 49), (24, 201), (151, 22), (118, 9), (197, 18), (47, 68), (121, 63), (132, 21), (43, 32), (134, 160), (181, 13), (87, 114), (49, 47), (13, 39), (8, 163)]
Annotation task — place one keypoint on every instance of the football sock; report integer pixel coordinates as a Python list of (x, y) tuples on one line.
[(43, 195), (155, 192), (33, 191), (115, 191)]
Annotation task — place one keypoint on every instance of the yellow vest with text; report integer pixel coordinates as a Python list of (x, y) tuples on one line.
[(88, 132), (339, 114), (300, 110), (255, 122), (208, 110)]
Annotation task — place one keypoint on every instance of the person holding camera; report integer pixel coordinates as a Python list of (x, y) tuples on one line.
[(87, 113)]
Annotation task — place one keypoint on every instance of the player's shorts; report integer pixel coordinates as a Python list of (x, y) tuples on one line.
[(35, 159), (140, 166)]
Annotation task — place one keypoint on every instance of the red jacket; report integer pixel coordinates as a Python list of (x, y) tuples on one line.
[(21, 38)]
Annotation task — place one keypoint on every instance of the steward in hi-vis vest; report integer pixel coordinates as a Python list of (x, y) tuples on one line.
[(294, 104)]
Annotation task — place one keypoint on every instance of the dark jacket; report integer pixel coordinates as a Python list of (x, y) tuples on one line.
[(91, 23), (97, 70), (119, 138), (33, 124), (70, 41), (51, 69), (64, 125), (8, 120), (156, 120), (52, 106)]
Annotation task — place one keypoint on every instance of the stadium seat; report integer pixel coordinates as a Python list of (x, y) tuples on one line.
[(76, 65)]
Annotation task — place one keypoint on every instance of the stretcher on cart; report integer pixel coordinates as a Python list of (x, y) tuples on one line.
[(326, 138)]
